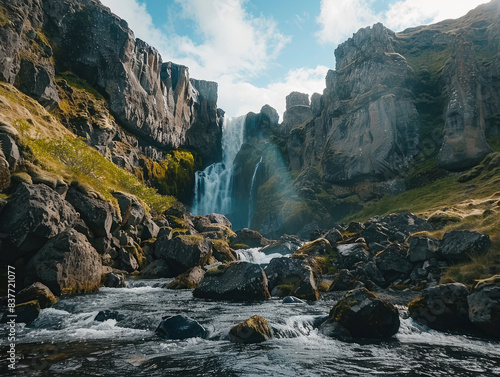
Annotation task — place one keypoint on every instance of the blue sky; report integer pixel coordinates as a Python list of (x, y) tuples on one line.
[(260, 50)]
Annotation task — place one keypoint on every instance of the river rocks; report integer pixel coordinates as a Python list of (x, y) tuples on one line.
[(253, 330), (34, 214), (131, 209), (250, 238), (292, 300), (343, 281), (99, 215), (443, 307), (484, 306), (285, 271), (37, 291), (238, 281), (460, 245), (188, 280), (104, 315), (364, 315), (184, 252), (217, 218), (306, 288), (285, 245), (157, 269), (67, 264), (27, 312), (392, 262), (114, 280), (319, 247), (222, 252), (179, 327)]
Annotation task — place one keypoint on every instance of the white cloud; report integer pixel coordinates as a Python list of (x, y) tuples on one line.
[(235, 46), (339, 19)]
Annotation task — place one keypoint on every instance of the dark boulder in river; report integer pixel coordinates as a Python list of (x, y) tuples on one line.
[(238, 281), (180, 327), (365, 315), (253, 330)]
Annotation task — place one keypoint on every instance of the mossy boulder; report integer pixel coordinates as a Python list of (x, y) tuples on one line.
[(188, 280), (484, 305), (37, 291), (443, 307), (250, 238), (253, 330), (222, 252), (238, 281), (365, 315), (184, 252), (26, 312), (319, 247)]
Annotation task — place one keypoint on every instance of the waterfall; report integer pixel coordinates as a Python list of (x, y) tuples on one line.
[(213, 186), (253, 189)]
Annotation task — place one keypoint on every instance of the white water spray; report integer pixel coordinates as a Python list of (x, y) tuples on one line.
[(213, 186), (253, 189)]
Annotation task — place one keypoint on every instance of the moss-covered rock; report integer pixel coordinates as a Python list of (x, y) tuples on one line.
[(222, 252), (253, 330), (188, 280), (37, 291)]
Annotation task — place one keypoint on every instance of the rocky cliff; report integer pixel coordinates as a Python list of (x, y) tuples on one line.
[(139, 105)]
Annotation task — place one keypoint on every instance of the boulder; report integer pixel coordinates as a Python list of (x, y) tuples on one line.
[(333, 236), (104, 315), (222, 252), (188, 280), (392, 262), (365, 315), (34, 214), (285, 271), (184, 252), (369, 273), (10, 151), (114, 280), (37, 291), (375, 233), (26, 312), (238, 281), (333, 329), (403, 224), (422, 248), (460, 245), (253, 330), (131, 209), (179, 327), (157, 269), (67, 264), (443, 307), (4, 172), (319, 247), (306, 288), (285, 245), (217, 218), (343, 281), (148, 229), (126, 261), (250, 238), (350, 254), (484, 305)]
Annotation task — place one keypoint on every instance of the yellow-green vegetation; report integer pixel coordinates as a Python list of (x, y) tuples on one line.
[(415, 305), (447, 280), (285, 289), (342, 307), (324, 286), (217, 271), (4, 19), (399, 287), (240, 246), (78, 83), (56, 150)]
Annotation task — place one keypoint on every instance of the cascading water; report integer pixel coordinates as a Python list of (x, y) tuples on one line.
[(213, 186), (253, 189)]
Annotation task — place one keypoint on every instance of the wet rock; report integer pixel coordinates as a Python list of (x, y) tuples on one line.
[(34, 214), (369, 274), (350, 254), (392, 263), (99, 215), (184, 252), (157, 269), (443, 307), (306, 288), (285, 245), (67, 264), (333, 329), (149, 229), (319, 247), (37, 291), (292, 300), (365, 315), (222, 252), (131, 209), (26, 312), (403, 224), (460, 245), (114, 280), (238, 281), (285, 271), (422, 248), (188, 280), (250, 238), (484, 306), (375, 233), (253, 330), (179, 327), (104, 315)]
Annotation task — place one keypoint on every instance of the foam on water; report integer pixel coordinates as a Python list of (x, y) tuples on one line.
[(255, 255)]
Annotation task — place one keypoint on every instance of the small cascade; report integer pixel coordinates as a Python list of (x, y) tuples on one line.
[(255, 255), (213, 186), (253, 194)]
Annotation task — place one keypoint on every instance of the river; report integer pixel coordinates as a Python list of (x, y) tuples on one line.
[(65, 340)]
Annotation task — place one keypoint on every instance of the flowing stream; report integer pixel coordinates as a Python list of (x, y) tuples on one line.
[(66, 341), (213, 186)]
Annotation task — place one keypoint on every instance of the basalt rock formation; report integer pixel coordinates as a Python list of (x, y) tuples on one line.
[(83, 62)]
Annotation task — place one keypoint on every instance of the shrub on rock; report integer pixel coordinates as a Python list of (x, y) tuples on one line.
[(253, 330)]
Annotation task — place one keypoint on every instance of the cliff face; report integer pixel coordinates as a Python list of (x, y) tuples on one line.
[(157, 103)]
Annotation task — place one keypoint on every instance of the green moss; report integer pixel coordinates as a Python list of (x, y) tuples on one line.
[(285, 289), (240, 246), (4, 19), (341, 308), (217, 271), (78, 83)]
